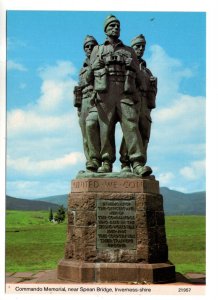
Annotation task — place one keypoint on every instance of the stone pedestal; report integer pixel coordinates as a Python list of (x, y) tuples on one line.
[(116, 232)]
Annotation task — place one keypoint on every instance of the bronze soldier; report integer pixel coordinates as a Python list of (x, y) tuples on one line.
[(116, 74), (147, 93), (83, 101)]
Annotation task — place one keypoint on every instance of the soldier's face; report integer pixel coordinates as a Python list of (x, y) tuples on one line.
[(113, 30), (88, 48), (139, 49)]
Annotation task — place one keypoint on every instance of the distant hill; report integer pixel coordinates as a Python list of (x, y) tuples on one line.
[(175, 203), (23, 204), (59, 199)]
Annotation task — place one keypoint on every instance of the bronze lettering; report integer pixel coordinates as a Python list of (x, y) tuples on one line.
[(116, 222)]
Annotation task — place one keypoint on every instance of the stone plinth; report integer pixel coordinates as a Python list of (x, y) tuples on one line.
[(79, 271), (116, 232)]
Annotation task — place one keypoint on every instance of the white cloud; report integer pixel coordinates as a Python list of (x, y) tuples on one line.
[(57, 87), (54, 95), (33, 130), (32, 189), (21, 122), (178, 129), (12, 65), (58, 72), (170, 73), (165, 178), (28, 165), (53, 110), (181, 121), (183, 107), (194, 171)]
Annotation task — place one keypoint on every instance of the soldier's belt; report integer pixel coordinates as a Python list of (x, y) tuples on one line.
[(116, 79)]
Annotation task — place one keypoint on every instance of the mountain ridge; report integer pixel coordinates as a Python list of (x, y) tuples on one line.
[(13, 203), (175, 203)]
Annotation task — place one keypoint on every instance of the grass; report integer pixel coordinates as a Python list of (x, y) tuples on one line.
[(186, 241), (33, 243)]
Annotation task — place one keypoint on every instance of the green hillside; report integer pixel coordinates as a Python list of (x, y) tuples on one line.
[(175, 203), (59, 199), (13, 203), (33, 243)]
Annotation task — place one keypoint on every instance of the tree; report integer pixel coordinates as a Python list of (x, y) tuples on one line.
[(60, 215), (50, 217)]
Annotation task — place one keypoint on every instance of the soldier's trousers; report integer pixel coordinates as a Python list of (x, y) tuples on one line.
[(93, 134), (114, 106), (144, 128), (93, 126)]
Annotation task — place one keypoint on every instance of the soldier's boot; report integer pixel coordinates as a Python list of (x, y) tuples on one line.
[(92, 165), (106, 167), (142, 170), (125, 167)]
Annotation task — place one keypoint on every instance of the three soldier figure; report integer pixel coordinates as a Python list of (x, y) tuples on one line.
[(123, 90)]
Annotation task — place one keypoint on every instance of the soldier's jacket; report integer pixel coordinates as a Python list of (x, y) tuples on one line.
[(85, 86), (148, 88), (85, 82), (114, 59)]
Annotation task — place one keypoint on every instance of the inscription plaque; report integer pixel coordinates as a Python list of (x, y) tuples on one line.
[(116, 224), (126, 185)]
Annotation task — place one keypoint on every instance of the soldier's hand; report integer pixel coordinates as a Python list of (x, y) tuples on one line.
[(130, 63), (98, 64)]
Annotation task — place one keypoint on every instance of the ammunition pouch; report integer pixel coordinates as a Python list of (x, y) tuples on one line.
[(130, 85), (151, 94), (77, 96), (151, 99), (82, 78), (100, 83), (145, 82)]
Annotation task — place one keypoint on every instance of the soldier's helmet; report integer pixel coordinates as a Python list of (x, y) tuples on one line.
[(88, 39), (139, 39), (110, 19)]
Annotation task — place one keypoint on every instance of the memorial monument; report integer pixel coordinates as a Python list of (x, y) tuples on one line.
[(116, 228)]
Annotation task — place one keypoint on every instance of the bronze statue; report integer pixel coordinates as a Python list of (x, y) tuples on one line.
[(83, 94), (116, 76), (147, 93), (115, 86)]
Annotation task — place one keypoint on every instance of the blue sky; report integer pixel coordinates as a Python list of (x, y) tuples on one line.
[(44, 55)]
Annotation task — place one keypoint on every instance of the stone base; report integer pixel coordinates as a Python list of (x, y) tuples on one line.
[(79, 271), (116, 232)]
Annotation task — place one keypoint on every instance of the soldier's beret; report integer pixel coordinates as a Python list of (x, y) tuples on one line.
[(109, 20), (89, 38), (138, 39)]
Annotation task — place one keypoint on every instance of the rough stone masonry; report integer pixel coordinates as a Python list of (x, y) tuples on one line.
[(114, 229)]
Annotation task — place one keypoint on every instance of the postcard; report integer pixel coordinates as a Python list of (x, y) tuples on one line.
[(104, 139)]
